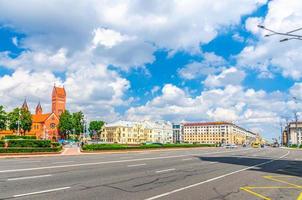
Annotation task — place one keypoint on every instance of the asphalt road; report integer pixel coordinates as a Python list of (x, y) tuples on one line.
[(215, 173)]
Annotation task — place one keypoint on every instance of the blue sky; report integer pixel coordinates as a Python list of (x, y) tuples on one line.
[(189, 61)]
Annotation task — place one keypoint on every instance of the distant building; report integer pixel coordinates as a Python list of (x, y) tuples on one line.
[(293, 134), (216, 132), (45, 125), (177, 133), (127, 132)]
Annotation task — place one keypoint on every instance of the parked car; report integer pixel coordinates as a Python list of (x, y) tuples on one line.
[(230, 146)]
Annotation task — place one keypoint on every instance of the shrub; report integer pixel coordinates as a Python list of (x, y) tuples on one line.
[(29, 143), (29, 150), (2, 143), (294, 146), (8, 137), (55, 144)]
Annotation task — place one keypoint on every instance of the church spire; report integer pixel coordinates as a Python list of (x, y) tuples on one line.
[(39, 109), (25, 106)]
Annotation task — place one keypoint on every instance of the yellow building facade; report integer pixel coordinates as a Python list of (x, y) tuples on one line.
[(214, 133), (125, 132)]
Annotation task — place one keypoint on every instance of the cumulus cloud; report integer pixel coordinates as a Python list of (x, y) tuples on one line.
[(230, 76), (246, 107), (210, 65), (92, 89), (268, 55)]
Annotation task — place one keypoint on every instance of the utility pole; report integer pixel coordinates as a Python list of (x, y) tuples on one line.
[(296, 124)]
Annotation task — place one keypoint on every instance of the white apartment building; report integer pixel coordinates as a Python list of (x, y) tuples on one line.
[(294, 131), (215, 132)]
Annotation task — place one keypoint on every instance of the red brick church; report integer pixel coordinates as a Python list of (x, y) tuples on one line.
[(45, 125)]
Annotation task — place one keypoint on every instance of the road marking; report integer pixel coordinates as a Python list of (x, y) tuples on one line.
[(62, 162), (115, 161), (142, 164), (165, 170), (214, 179), (300, 196), (255, 193), (41, 192), (28, 177), (187, 159)]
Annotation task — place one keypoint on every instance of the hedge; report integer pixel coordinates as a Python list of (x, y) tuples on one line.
[(29, 150), (29, 143), (19, 137), (2, 143), (55, 144), (97, 147)]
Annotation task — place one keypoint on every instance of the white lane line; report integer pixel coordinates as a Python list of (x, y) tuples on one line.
[(127, 157), (41, 192), (63, 162), (142, 164), (165, 170), (116, 161), (214, 179), (28, 177), (187, 159)]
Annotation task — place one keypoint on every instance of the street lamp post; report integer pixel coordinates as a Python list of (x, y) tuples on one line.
[(288, 35)]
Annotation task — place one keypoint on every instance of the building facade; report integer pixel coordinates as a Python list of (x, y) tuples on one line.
[(127, 132), (293, 134), (215, 133), (45, 125), (177, 133)]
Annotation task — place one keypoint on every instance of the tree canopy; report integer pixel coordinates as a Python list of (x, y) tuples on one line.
[(71, 123), (65, 123), (3, 118), (95, 126), (21, 116)]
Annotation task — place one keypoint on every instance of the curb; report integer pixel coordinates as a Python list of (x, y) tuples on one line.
[(138, 150)]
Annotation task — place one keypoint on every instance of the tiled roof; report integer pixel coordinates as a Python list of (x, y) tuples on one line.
[(206, 123), (40, 118)]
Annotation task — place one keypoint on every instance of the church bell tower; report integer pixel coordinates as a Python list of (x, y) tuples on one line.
[(58, 100)]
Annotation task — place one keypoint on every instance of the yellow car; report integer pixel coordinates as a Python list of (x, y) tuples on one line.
[(255, 145)]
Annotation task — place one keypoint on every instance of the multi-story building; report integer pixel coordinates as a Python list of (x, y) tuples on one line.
[(216, 132), (161, 131), (126, 132), (293, 133), (177, 133)]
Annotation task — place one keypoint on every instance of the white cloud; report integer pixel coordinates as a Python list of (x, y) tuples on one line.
[(170, 25), (92, 89), (268, 55), (155, 89), (246, 107), (230, 76), (210, 65), (15, 41), (107, 37), (39, 61)]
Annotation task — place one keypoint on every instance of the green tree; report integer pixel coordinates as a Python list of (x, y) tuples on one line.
[(21, 117), (78, 122), (3, 118), (95, 127), (65, 124), (25, 121)]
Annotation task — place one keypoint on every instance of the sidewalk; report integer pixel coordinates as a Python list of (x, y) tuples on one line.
[(71, 151)]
